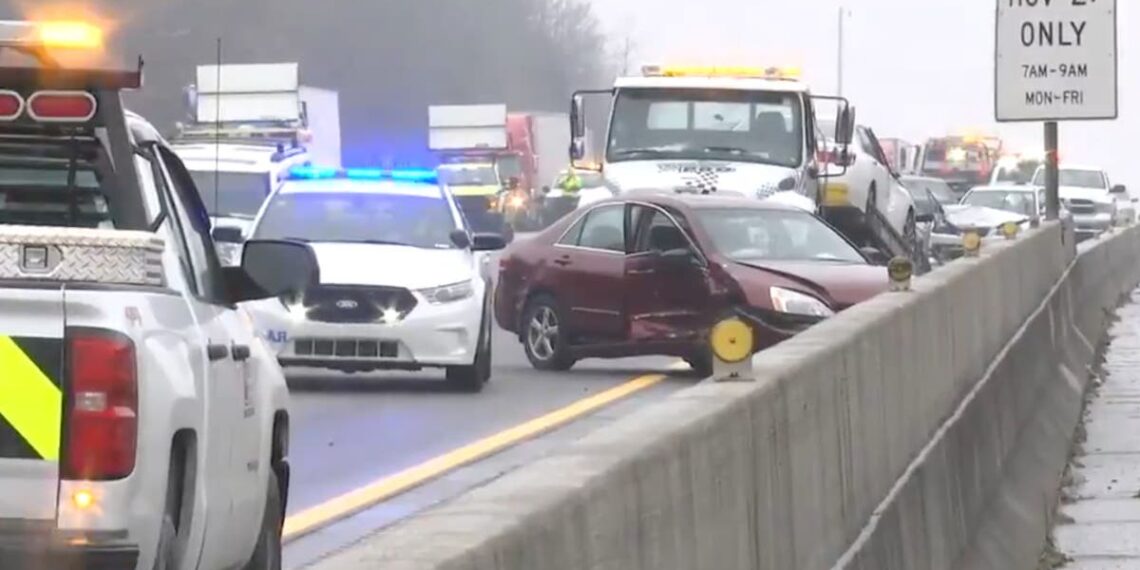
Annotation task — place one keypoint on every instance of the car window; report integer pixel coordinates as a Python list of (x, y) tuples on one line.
[(571, 236), (656, 232), (604, 228), (54, 185), (194, 222), (763, 234), (231, 193)]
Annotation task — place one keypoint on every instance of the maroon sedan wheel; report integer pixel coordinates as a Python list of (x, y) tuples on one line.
[(544, 335)]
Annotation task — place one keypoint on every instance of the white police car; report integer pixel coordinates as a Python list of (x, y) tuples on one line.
[(402, 286)]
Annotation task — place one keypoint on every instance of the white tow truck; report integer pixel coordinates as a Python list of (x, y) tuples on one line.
[(143, 424), (252, 124), (746, 131)]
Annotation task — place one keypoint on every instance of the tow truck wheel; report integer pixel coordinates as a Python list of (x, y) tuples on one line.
[(267, 555), (544, 335)]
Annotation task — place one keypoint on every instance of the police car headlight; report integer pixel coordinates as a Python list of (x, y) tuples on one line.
[(788, 301), (448, 293)]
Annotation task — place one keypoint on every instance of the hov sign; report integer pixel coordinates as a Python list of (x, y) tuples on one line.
[(1055, 60)]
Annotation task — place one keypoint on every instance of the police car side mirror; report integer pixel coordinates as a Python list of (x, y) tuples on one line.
[(487, 242), (460, 239), (227, 234), (925, 218), (272, 268)]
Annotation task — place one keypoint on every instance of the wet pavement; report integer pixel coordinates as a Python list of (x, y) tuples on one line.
[(1098, 527)]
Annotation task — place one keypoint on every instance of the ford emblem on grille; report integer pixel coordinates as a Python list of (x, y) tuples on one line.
[(346, 304)]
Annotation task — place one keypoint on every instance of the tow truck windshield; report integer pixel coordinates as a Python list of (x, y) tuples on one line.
[(40, 186), (358, 217), (237, 194), (771, 235), (750, 126)]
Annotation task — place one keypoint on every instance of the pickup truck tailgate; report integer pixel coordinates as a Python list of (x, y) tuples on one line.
[(31, 401)]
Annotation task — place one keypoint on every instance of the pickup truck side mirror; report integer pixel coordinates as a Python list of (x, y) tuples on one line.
[(1118, 189), (272, 268), (227, 234)]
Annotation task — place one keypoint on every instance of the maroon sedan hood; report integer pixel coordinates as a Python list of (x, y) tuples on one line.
[(844, 284)]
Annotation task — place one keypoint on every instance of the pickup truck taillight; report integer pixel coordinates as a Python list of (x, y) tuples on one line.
[(102, 420)]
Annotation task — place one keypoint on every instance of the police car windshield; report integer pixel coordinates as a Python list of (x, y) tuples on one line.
[(469, 176), (240, 195), (39, 188), (359, 217), (762, 234), (1016, 202), (749, 126), (1074, 178)]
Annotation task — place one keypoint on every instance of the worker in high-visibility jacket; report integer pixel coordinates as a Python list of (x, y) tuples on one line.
[(571, 183)]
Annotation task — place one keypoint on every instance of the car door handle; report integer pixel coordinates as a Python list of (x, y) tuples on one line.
[(240, 352), (563, 261), (216, 352), (642, 271)]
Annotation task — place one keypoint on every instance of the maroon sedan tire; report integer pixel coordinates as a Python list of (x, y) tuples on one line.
[(544, 335)]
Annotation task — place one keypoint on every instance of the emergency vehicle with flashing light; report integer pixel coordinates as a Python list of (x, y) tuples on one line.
[(963, 161), (251, 124), (422, 299), (725, 129), (142, 423)]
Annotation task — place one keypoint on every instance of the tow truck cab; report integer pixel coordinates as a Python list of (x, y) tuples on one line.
[(140, 417), (751, 132)]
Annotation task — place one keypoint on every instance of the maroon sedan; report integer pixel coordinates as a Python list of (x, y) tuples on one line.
[(649, 274)]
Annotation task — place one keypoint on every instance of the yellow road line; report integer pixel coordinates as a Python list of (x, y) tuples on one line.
[(354, 501)]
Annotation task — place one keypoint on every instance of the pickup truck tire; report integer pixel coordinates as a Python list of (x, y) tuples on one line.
[(267, 554)]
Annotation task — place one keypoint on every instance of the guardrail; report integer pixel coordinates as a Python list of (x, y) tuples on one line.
[(921, 429)]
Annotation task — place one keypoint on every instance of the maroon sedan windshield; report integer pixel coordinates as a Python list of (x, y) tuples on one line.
[(755, 234)]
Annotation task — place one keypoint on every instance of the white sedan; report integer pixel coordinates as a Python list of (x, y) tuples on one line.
[(868, 183), (402, 283)]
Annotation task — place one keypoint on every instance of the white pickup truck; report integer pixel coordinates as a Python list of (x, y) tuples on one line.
[(143, 425)]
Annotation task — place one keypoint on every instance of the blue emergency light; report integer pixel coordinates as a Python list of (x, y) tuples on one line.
[(328, 173)]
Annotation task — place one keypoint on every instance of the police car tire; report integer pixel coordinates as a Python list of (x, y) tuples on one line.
[(474, 377), (164, 555), (267, 554)]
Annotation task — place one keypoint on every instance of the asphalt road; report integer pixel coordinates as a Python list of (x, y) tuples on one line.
[(351, 431)]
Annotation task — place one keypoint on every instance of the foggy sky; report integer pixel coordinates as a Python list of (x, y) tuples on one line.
[(913, 68)]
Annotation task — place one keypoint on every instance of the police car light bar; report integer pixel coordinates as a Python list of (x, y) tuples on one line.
[(781, 73), (326, 173)]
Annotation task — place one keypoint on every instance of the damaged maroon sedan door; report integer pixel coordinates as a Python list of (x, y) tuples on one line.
[(666, 280)]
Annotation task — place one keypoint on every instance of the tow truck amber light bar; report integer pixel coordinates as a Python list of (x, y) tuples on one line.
[(53, 34)]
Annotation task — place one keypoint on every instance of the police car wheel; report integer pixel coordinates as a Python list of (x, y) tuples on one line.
[(474, 377), (267, 554)]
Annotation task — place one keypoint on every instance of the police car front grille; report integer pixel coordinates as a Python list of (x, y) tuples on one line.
[(345, 348), (353, 304)]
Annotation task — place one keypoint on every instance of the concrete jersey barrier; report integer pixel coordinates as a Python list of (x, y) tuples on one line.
[(888, 437)]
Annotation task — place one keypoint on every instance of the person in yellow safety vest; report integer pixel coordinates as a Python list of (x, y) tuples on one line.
[(570, 183)]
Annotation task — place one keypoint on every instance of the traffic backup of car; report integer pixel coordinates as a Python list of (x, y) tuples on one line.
[(142, 424)]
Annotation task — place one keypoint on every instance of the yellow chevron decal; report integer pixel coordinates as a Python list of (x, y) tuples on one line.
[(29, 401)]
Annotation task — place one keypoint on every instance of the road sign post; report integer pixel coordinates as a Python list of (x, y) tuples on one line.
[(1055, 60)]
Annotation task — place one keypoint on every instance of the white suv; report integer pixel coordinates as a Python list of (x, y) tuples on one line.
[(402, 287)]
